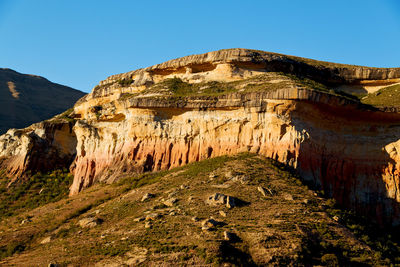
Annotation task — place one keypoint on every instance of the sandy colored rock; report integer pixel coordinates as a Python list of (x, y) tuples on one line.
[(170, 202), (46, 240), (264, 192), (147, 196), (348, 151), (89, 222)]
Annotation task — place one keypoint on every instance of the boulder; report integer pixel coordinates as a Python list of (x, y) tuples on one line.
[(170, 202), (216, 199), (265, 191), (152, 216), (46, 240), (89, 222), (147, 196), (221, 199)]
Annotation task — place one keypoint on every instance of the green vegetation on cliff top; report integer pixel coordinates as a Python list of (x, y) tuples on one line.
[(269, 81), (385, 97)]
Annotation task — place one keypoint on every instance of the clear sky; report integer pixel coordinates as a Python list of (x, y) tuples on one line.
[(80, 42)]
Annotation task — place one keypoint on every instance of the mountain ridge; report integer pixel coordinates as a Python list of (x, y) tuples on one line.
[(223, 103), (27, 98)]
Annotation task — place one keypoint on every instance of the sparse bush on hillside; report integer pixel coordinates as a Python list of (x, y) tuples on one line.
[(37, 190), (125, 82)]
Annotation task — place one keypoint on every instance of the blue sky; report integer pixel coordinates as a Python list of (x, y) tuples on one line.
[(80, 42)]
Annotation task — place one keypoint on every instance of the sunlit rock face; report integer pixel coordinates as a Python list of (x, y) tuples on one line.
[(348, 151)]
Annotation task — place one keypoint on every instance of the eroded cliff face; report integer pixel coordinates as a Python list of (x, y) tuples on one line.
[(127, 125), (349, 153), (41, 147)]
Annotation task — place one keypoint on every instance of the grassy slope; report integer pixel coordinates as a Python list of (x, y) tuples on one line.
[(265, 82), (385, 97), (37, 190), (272, 229)]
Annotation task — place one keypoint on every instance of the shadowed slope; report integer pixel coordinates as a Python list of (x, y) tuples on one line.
[(26, 99)]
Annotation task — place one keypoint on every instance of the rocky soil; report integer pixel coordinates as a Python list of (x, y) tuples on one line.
[(244, 210), (300, 112)]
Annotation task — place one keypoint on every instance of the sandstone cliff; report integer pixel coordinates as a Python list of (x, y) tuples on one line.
[(226, 102), (26, 99)]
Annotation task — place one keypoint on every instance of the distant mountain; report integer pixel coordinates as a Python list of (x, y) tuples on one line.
[(26, 99)]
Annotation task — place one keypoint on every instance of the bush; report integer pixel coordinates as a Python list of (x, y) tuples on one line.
[(125, 82), (37, 190), (330, 260)]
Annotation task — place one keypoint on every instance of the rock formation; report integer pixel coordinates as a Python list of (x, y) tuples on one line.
[(133, 122), (26, 99)]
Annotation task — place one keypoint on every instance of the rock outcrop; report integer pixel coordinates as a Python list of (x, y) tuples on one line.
[(127, 124)]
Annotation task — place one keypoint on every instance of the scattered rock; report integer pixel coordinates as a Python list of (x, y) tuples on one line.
[(147, 196), (212, 175), (221, 199), (136, 256), (182, 187), (53, 265), (265, 191), (173, 193), (306, 201), (229, 174), (228, 236), (211, 223), (230, 202), (195, 219), (152, 216), (172, 213), (205, 228), (336, 218), (225, 185), (216, 199), (139, 219), (46, 240), (148, 225), (222, 213), (243, 179), (170, 202), (25, 221), (89, 222), (288, 197)]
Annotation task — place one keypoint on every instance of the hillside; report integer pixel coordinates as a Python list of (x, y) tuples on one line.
[(175, 218), (26, 99), (303, 113)]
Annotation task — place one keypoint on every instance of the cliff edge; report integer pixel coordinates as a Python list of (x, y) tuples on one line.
[(301, 112)]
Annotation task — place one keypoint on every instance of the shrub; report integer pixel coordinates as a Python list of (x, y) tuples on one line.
[(330, 260), (125, 82)]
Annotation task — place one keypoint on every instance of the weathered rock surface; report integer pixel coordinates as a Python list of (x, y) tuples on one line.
[(221, 199), (89, 222), (147, 196), (347, 150)]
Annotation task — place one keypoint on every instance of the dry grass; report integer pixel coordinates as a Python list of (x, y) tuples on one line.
[(272, 230), (386, 97)]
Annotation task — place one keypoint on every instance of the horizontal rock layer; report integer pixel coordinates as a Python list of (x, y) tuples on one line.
[(347, 149)]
